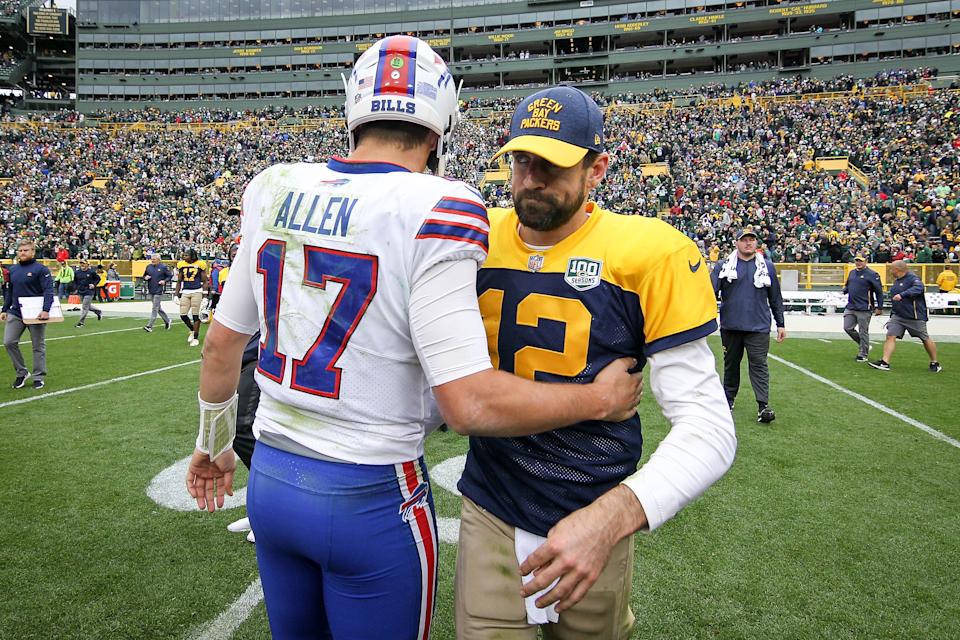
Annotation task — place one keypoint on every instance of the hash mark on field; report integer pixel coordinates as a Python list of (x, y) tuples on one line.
[(223, 626), (95, 384), (873, 403), (823, 340), (84, 335)]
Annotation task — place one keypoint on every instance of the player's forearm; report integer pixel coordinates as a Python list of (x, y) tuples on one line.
[(702, 442), (222, 357), (495, 403)]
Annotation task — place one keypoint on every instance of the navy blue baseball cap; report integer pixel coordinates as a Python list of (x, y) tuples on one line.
[(560, 125)]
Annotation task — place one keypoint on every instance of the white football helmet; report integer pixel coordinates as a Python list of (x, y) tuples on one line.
[(402, 78)]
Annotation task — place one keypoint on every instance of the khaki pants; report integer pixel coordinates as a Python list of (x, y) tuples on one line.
[(190, 302), (488, 601)]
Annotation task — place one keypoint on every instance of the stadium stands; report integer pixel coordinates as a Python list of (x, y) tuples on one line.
[(748, 159)]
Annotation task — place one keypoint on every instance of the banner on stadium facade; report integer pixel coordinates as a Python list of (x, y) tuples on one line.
[(46, 21)]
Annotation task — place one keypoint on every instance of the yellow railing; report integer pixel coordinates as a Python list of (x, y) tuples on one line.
[(858, 175), (813, 275)]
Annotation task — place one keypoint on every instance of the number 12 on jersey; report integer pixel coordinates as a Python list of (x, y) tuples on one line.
[(316, 372)]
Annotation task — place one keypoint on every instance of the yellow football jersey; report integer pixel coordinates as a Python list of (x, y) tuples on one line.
[(618, 286), (190, 273)]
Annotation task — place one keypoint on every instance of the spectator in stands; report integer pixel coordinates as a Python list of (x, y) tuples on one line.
[(28, 278), (157, 275), (947, 280), (749, 292), (101, 284), (908, 313), (63, 280), (864, 300), (86, 279)]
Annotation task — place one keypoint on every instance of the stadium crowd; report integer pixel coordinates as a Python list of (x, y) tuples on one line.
[(727, 166)]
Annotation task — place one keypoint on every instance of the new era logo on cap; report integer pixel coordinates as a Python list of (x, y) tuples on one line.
[(559, 125)]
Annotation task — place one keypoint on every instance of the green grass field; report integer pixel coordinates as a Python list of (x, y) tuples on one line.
[(836, 521)]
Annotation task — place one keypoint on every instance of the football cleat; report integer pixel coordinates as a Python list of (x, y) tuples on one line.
[(239, 526), (193, 342), (38, 384), (20, 381), (881, 365), (861, 359), (148, 329), (935, 367), (766, 415)]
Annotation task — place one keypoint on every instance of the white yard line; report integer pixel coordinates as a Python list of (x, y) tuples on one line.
[(823, 340), (84, 335), (873, 403), (223, 626), (95, 384)]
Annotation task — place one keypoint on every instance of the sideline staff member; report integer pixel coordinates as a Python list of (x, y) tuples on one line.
[(908, 312), (27, 278), (749, 291), (864, 299)]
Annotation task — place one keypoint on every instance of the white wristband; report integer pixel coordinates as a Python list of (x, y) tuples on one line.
[(218, 425)]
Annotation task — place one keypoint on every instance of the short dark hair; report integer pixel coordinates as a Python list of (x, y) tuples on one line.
[(405, 135), (589, 159)]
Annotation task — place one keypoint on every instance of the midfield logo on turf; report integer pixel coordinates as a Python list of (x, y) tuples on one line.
[(583, 274)]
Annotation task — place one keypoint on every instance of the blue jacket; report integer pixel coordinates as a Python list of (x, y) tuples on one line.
[(83, 279), (157, 273), (743, 307), (864, 290), (913, 303), (28, 280)]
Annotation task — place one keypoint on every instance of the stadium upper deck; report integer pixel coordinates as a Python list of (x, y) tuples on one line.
[(247, 53)]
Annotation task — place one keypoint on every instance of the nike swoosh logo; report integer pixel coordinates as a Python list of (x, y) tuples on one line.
[(694, 267)]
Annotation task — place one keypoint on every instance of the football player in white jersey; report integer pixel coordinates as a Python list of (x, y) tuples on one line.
[(361, 277)]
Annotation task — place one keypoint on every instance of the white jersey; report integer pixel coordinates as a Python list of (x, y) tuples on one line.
[(328, 257)]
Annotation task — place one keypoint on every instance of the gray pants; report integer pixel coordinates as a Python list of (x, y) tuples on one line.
[(858, 319), (11, 336), (156, 310), (756, 344), (86, 307)]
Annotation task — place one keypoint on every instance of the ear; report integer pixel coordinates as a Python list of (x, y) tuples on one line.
[(597, 171)]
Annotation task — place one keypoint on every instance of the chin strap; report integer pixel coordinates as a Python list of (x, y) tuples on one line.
[(218, 425)]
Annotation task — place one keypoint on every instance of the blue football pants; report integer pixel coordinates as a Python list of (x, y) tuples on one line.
[(345, 551)]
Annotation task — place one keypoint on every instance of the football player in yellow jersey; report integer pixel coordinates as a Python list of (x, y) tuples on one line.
[(568, 287), (191, 289)]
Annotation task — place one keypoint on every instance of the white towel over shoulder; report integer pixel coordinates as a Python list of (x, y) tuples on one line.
[(761, 277)]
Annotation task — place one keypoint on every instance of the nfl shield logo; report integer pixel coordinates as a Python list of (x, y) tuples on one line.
[(535, 263), (583, 273)]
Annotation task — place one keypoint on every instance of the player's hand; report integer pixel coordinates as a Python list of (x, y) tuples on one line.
[(43, 315), (877, 311), (619, 389), (3, 317), (781, 334), (209, 480), (898, 297), (578, 548)]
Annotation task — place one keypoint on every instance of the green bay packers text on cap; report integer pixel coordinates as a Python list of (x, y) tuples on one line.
[(540, 111)]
